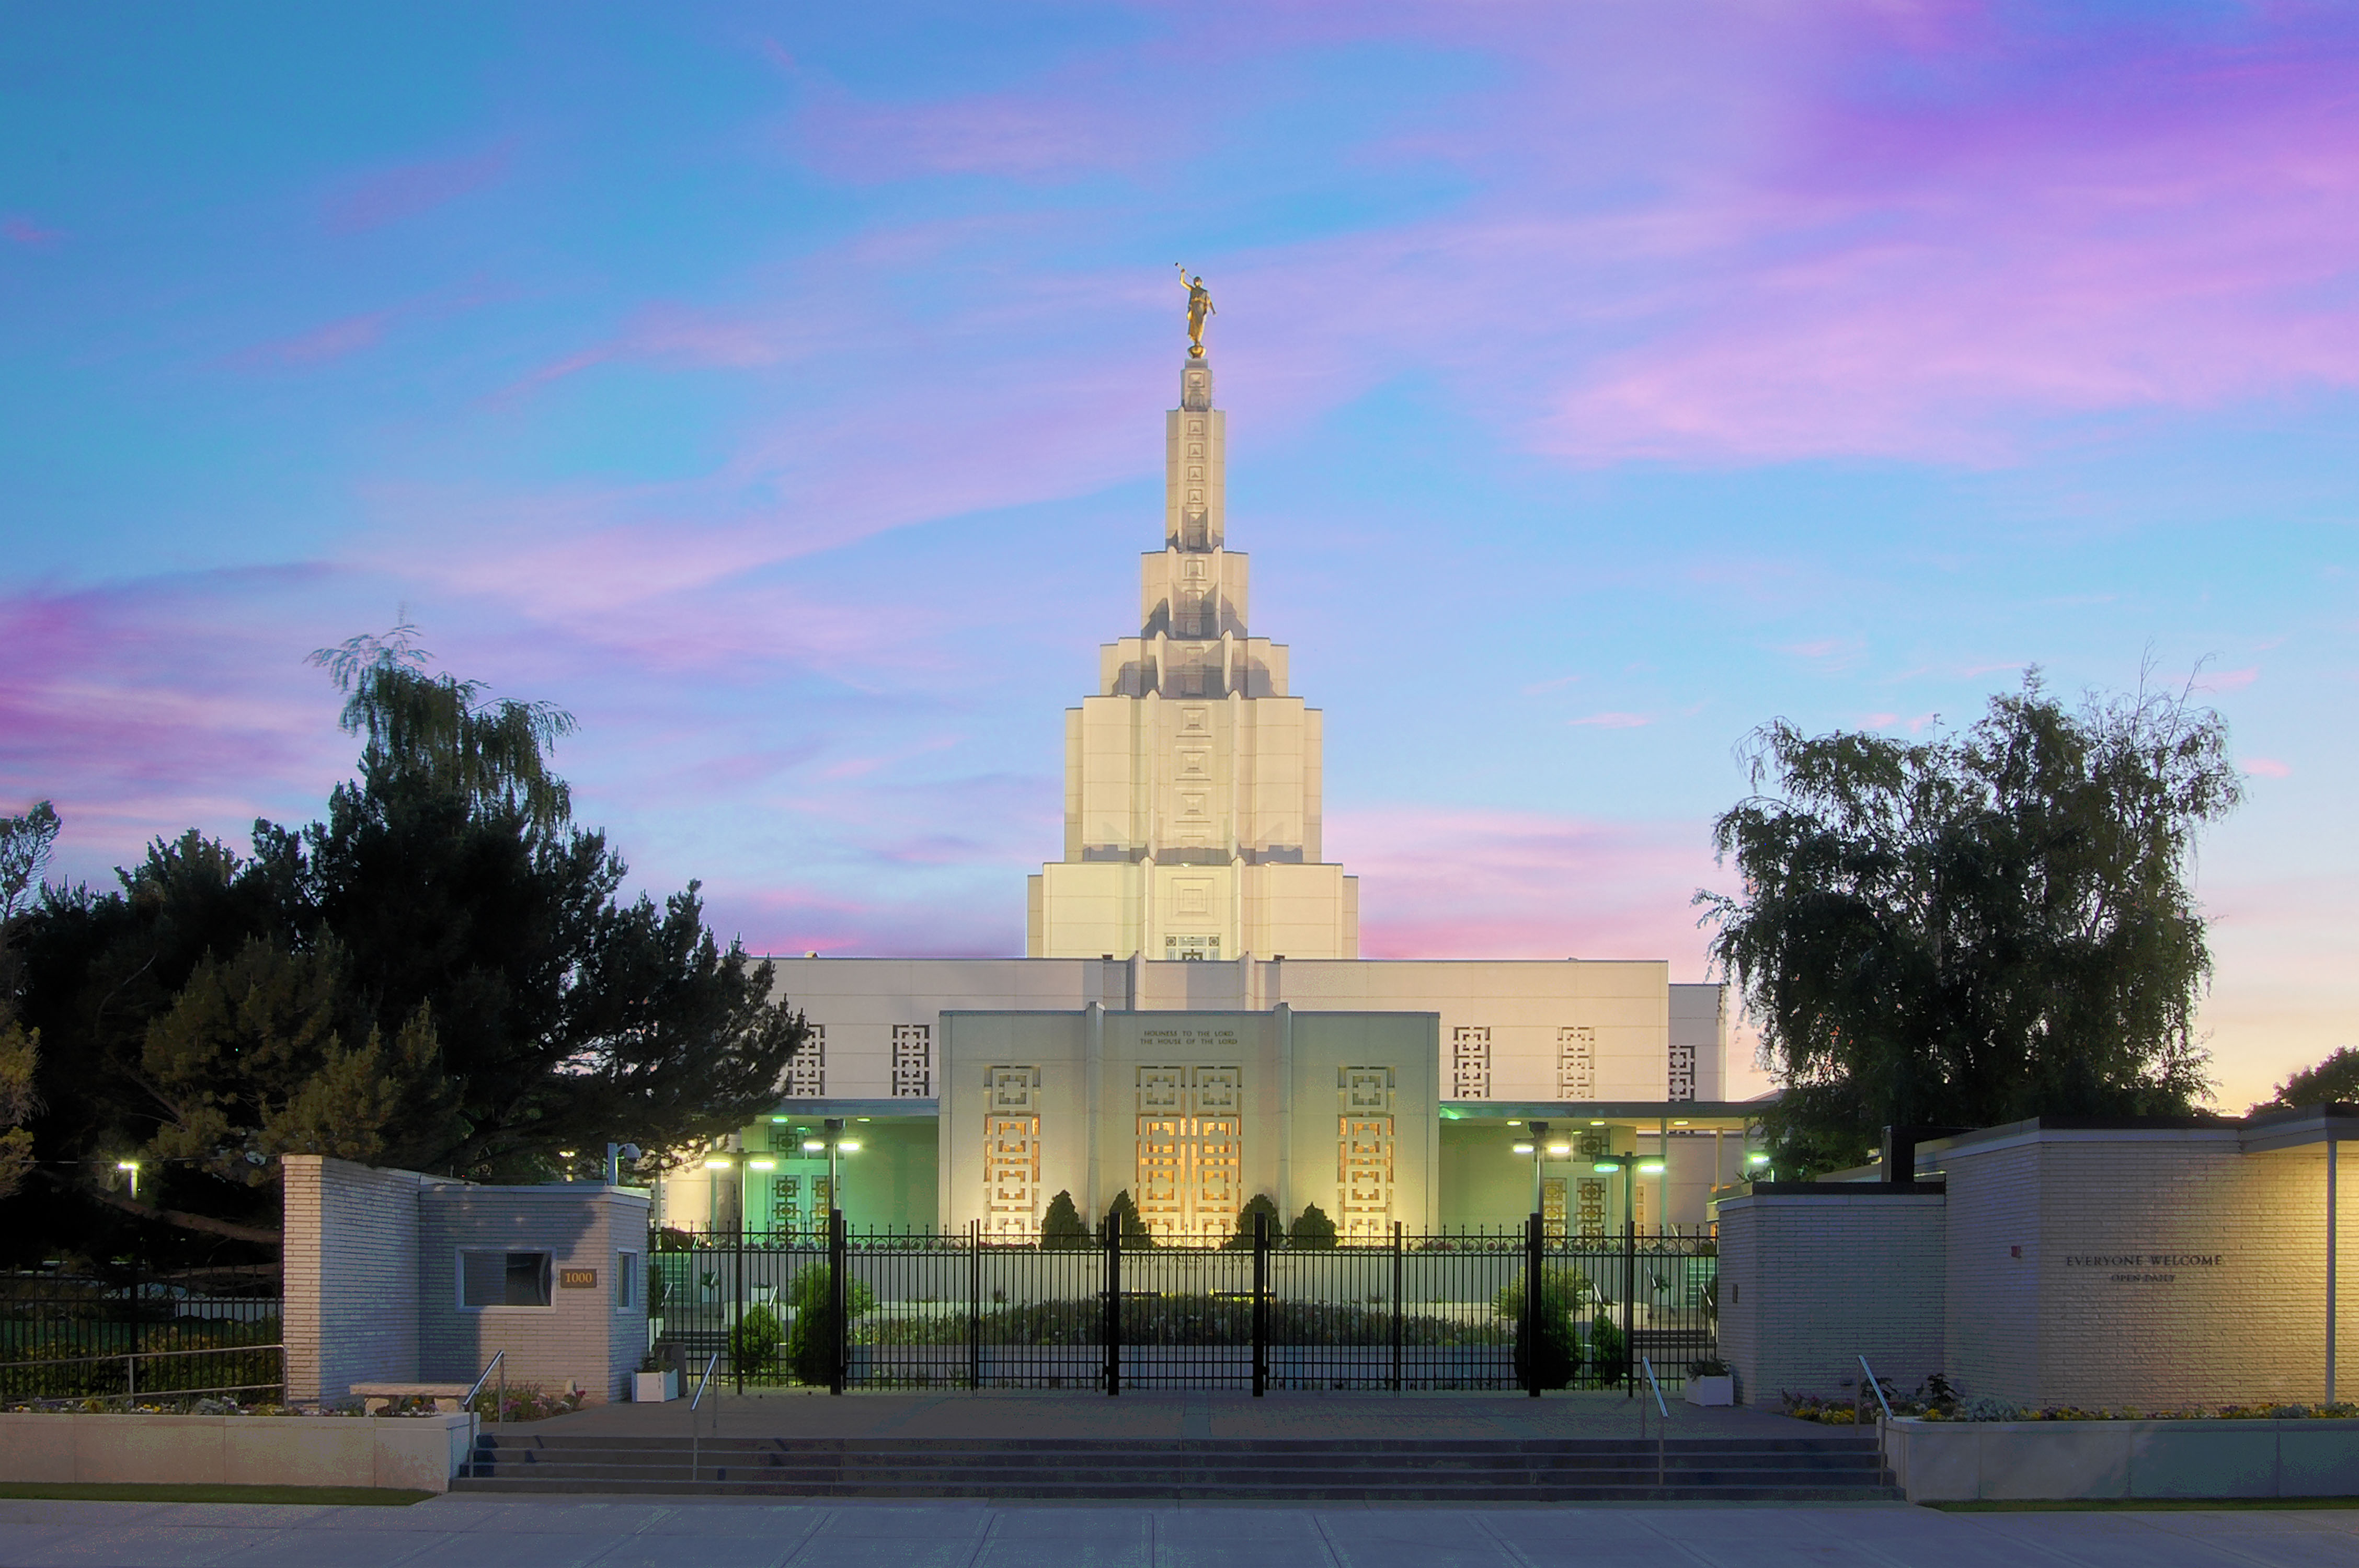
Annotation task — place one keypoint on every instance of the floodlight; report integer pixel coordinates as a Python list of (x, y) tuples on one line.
[(849, 1145), (719, 1163), (126, 1165), (1560, 1148), (1650, 1167), (1606, 1167), (1522, 1148), (813, 1146), (1757, 1158), (761, 1164)]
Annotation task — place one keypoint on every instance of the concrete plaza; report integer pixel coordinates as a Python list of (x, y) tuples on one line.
[(459, 1531)]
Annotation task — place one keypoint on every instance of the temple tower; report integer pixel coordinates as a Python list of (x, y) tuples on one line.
[(1191, 777)]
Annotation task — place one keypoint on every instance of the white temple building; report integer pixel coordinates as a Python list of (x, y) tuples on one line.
[(1192, 1023)]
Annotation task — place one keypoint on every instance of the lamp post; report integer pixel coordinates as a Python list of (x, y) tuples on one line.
[(1538, 1147), (1631, 1166), (829, 1141)]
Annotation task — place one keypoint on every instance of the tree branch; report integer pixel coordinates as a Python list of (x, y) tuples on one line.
[(177, 1218)]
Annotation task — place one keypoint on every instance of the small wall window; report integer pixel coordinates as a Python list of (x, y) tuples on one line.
[(503, 1279), (627, 1282)]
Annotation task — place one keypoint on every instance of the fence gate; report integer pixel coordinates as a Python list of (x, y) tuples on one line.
[(950, 1310)]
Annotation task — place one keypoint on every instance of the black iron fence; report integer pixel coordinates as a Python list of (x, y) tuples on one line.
[(899, 1310), (134, 1330)]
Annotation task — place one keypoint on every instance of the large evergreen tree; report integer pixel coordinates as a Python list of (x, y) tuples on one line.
[(1978, 927), (441, 975)]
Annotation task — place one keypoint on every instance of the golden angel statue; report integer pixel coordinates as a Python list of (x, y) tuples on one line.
[(1200, 304)]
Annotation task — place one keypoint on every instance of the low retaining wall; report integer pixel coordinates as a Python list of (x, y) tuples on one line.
[(1946, 1461), (419, 1453)]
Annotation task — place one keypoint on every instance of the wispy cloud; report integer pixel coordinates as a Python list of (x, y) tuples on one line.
[(330, 341), (384, 196), (2265, 767), (23, 230), (1437, 882), (1613, 721)]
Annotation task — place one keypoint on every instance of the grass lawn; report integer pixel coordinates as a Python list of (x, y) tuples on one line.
[(2143, 1505), (144, 1492)]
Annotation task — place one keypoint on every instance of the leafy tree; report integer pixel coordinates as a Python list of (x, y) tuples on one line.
[(1123, 1215), (1312, 1229), (1975, 928), (25, 843), (440, 975), (2334, 1080), (1260, 1206), (1061, 1229), (250, 1062), (436, 736)]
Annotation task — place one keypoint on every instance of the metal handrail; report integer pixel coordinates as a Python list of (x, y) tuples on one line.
[(1663, 1411), (695, 1431), (131, 1359), (1884, 1426), (137, 1354), (497, 1364)]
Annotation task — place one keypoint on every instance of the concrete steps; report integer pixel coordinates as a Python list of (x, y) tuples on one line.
[(1797, 1469)]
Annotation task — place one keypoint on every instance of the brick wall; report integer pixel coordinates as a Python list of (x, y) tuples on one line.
[(351, 1259), (1809, 1284), (372, 1285), (2148, 1269), (580, 1337)]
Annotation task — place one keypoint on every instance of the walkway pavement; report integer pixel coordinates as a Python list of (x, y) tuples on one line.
[(1205, 1416), (497, 1532)]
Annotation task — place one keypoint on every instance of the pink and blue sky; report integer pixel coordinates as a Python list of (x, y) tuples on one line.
[(779, 388)]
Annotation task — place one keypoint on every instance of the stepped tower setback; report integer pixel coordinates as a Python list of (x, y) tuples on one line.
[(1192, 776)]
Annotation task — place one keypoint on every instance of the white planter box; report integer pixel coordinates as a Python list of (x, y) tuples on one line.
[(654, 1388), (1721, 1390), (1970, 1461), (416, 1452)]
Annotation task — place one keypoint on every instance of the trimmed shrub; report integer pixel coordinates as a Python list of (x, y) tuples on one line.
[(1259, 1205), (754, 1338), (1311, 1230), (1607, 1350), (1061, 1230), (1135, 1237), (1561, 1290), (1557, 1354)]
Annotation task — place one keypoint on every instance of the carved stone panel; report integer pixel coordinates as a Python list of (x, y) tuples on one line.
[(807, 1069), (1469, 1063), (1576, 1063)]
